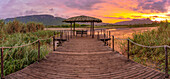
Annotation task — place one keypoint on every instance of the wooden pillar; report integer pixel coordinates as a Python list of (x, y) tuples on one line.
[(38, 50), (98, 36), (128, 49), (93, 30), (113, 43), (53, 43), (109, 34), (104, 39), (166, 62), (71, 30), (74, 29), (2, 64)]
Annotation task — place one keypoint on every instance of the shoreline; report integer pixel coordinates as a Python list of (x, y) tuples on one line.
[(100, 28)]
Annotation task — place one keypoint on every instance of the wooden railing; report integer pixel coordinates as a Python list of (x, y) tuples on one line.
[(2, 57), (65, 35), (108, 37)]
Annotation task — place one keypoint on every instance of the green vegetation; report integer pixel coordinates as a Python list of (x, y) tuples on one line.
[(16, 34), (18, 27), (153, 57)]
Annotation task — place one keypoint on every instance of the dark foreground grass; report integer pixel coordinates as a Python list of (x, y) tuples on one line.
[(18, 58), (153, 57), (16, 34)]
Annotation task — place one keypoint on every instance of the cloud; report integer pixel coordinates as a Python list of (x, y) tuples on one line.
[(82, 4), (152, 5), (168, 15), (136, 16), (31, 12), (154, 16), (51, 9), (115, 17)]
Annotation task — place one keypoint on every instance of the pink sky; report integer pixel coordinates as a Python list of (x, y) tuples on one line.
[(110, 11)]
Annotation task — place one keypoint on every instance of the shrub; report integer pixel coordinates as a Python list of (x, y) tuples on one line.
[(2, 23), (13, 27), (17, 58), (39, 26), (154, 56), (18, 27), (31, 27)]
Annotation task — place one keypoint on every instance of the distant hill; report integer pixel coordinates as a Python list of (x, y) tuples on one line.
[(132, 22), (135, 22), (45, 19)]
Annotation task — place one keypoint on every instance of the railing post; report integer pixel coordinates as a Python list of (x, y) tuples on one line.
[(98, 36), (128, 48), (113, 43), (82, 33), (38, 50), (2, 64), (90, 29), (61, 35), (166, 62), (93, 33), (53, 43), (68, 35), (101, 32), (71, 34), (104, 39), (109, 34), (54, 33)]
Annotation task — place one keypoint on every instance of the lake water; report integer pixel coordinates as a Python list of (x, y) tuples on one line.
[(123, 33)]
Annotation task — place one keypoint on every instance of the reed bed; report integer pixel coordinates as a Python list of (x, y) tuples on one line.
[(16, 34), (152, 57)]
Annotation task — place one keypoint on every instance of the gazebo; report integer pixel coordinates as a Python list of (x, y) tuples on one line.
[(83, 18)]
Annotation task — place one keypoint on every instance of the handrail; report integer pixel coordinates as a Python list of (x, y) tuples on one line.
[(129, 40), (2, 61), (163, 46), (25, 44), (143, 45)]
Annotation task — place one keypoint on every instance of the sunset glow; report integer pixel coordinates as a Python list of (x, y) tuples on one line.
[(110, 11)]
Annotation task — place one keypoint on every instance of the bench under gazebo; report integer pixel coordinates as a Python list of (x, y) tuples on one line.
[(73, 20)]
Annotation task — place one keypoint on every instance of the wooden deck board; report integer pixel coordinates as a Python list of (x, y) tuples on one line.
[(85, 58)]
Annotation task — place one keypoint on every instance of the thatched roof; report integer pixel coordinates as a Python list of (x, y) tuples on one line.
[(82, 19)]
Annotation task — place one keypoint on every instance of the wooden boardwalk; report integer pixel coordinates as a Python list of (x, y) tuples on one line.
[(85, 58)]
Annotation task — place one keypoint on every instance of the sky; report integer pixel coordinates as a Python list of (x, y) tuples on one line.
[(110, 11)]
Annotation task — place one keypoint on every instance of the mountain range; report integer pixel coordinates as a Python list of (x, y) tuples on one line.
[(45, 19), (135, 22), (51, 20)]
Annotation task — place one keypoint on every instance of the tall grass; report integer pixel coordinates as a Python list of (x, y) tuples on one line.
[(18, 27), (153, 57), (18, 58), (16, 34)]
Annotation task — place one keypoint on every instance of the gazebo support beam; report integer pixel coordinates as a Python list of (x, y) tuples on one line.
[(92, 29), (74, 29), (71, 29)]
